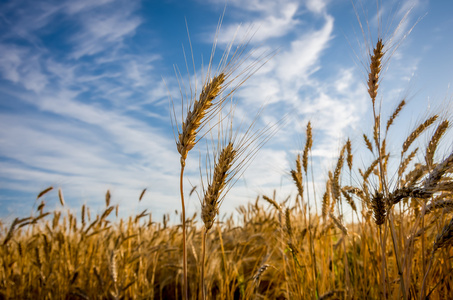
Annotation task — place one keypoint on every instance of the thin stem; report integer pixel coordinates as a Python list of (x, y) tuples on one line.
[(203, 255), (383, 265), (185, 291)]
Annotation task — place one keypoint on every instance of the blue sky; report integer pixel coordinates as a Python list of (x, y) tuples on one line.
[(84, 106)]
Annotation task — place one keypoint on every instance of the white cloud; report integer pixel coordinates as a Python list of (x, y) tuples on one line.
[(276, 23), (19, 65), (101, 31), (302, 58), (74, 7), (316, 6)]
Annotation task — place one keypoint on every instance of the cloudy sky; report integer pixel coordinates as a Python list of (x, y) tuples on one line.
[(85, 87)]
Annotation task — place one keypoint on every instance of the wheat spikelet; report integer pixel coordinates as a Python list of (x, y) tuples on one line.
[(415, 174), (444, 186), (41, 206), (107, 198), (141, 195), (42, 193), (60, 197), (212, 198), (406, 162), (9, 235), (349, 199), (338, 223), (436, 175), (368, 143), (376, 130), (336, 176), (83, 214), (435, 141), (56, 219), (395, 114), (289, 228), (192, 190), (370, 169), (444, 238), (440, 204), (356, 191), (308, 145), (326, 199), (375, 69), (260, 272), (405, 192), (379, 209), (298, 165), (349, 156), (416, 133), (297, 177), (195, 116), (272, 202)]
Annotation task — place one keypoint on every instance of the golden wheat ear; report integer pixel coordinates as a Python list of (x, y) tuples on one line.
[(237, 64), (236, 148)]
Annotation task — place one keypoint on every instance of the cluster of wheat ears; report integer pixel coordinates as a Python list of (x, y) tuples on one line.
[(397, 244)]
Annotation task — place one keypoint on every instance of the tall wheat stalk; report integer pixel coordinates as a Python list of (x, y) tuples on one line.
[(230, 158), (235, 67)]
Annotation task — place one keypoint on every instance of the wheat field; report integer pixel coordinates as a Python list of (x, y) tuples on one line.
[(396, 244)]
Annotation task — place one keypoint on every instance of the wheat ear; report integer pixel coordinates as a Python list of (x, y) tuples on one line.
[(416, 133), (195, 116), (212, 195), (375, 70), (432, 146)]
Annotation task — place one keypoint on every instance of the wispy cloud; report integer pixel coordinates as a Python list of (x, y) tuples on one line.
[(104, 28), (270, 24)]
